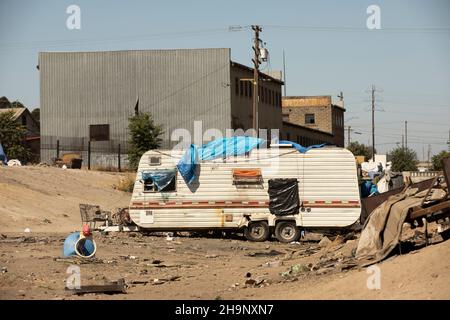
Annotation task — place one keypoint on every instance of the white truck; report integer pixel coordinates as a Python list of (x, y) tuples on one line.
[(272, 190)]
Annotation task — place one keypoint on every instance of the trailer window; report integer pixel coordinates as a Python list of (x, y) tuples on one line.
[(160, 180), (248, 178)]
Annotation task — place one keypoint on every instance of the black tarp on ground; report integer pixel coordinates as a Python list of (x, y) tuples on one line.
[(283, 195)]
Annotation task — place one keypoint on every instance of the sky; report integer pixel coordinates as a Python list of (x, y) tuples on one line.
[(328, 49)]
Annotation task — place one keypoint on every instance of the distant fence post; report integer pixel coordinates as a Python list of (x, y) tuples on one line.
[(118, 157), (57, 149), (89, 155)]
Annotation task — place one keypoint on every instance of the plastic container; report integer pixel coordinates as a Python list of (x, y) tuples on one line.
[(74, 245)]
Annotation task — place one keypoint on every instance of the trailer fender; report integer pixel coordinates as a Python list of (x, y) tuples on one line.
[(246, 219)]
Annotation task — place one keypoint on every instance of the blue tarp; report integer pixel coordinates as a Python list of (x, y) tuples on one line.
[(220, 148), (300, 148), (3, 157), (161, 178), (223, 148), (368, 189)]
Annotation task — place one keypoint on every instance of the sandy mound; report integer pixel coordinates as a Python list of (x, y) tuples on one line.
[(46, 198)]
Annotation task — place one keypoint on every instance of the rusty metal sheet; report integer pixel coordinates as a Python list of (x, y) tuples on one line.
[(369, 204)]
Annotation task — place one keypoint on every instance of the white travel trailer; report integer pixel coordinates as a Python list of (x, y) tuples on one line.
[(235, 193)]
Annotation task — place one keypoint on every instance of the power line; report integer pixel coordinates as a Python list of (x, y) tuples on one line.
[(362, 29), (64, 43)]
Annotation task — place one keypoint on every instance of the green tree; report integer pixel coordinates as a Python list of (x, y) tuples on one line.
[(360, 149), (144, 136), (12, 135), (36, 114), (436, 160), (403, 159)]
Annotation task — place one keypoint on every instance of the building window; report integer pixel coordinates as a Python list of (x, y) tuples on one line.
[(236, 86), (241, 86), (24, 120), (246, 88), (250, 90), (309, 118), (99, 132)]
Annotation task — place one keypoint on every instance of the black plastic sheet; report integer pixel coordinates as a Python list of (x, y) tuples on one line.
[(283, 196)]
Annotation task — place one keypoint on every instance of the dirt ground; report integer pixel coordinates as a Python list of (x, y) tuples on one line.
[(186, 266)]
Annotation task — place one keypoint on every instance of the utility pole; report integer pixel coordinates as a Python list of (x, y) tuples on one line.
[(256, 62), (403, 141), (406, 134), (284, 73), (429, 153), (373, 123), (448, 141), (348, 135)]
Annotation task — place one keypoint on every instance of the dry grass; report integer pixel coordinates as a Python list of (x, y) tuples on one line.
[(126, 183)]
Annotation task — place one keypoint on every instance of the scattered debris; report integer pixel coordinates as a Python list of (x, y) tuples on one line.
[(295, 270), (161, 281), (47, 221), (169, 236), (324, 242), (271, 253), (110, 288), (79, 260), (14, 163), (4, 270), (273, 264), (211, 256), (312, 236), (255, 282), (27, 230)]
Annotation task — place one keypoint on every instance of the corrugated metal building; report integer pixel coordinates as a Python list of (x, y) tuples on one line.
[(82, 89)]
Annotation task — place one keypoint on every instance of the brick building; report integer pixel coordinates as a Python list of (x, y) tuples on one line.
[(324, 118)]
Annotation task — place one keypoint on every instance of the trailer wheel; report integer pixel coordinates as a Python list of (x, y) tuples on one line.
[(257, 231), (287, 231)]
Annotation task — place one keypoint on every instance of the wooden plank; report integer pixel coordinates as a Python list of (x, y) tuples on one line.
[(426, 211), (113, 287)]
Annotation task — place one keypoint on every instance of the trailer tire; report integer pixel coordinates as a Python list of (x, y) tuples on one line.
[(257, 231), (287, 231)]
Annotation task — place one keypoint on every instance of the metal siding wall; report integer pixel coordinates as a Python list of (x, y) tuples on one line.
[(176, 86)]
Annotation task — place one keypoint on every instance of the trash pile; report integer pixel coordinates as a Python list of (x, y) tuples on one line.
[(378, 178), (382, 230)]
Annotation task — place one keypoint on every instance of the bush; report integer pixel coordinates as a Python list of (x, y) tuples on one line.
[(437, 160), (403, 159), (144, 136), (360, 149), (126, 184), (12, 135)]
